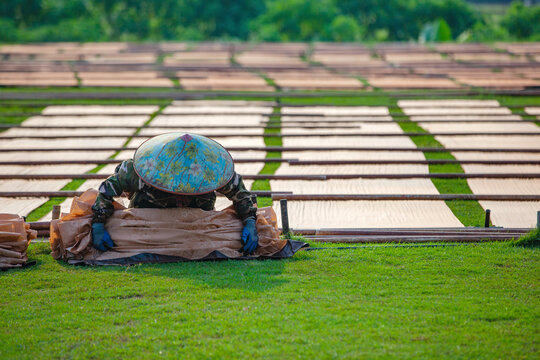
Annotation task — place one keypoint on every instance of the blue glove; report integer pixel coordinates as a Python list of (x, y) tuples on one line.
[(250, 239), (101, 238)]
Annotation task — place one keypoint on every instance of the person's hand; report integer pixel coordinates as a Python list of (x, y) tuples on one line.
[(101, 239), (250, 239)]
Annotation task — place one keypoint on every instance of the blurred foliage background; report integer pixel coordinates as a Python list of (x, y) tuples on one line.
[(268, 20)]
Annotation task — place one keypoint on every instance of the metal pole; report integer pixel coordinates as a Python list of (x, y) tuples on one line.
[(488, 214), (285, 218), (538, 219)]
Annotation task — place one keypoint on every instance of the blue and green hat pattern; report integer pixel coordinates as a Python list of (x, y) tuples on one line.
[(183, 163)]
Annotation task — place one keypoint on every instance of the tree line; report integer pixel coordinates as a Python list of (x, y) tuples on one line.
[(262, 20)]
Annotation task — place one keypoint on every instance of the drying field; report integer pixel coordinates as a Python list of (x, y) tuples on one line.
[(358, 140)]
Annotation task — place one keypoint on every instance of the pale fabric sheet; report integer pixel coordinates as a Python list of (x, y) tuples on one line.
[(62, 143), (489, 110), (118, 75), (286, 169), (344, 141), (335, 119), (217, 109), (532, 110), (87, 120), (249, 154), (20, 206), (232, 141), (248, 168), (53, 155), (366, 128), (122, 82), (353, 155), (24, 206), (489, 57), (207, 120), (355, 186), (503, 213), (367, 214), (449, 102), (473, 155), (21, 131), (516, 83), (334, 110), (351, 214), (38, 75), (508, 169), (401, 82), (100, 109), (505, 186), (38, 82), (462, 118), (490, 142), (493, 127), (318, 83), (520, 214), (46, 169), (153, 131), (413, 57), (231, 103), (53, 185)]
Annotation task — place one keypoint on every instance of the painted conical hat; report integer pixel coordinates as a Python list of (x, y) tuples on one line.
[(183, 163)]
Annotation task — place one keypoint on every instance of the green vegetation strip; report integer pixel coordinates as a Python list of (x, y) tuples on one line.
[(465, 302), (18, 109), (269, 167), (521, 110), (46, 208), (469, 212)]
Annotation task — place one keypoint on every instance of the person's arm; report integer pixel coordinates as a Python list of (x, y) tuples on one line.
[(123, 179), (243, 200), (245, 205)]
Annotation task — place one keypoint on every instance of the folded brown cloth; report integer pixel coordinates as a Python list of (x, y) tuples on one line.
[(162, 235), (15, 235)]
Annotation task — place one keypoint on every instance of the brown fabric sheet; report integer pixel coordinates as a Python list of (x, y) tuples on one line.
[(167, 234), (15, 235)]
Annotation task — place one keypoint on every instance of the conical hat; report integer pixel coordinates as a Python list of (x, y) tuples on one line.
[(183, 163)]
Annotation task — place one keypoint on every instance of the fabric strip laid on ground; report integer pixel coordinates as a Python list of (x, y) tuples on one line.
[(60, 115), (508, 214), (353, 214)]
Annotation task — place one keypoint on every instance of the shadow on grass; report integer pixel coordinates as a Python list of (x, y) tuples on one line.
[(249, 275)]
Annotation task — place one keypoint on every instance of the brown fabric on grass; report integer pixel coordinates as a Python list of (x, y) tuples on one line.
[(15, 235), (186, 233)]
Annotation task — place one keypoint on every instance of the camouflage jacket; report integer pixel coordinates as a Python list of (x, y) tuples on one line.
[(126, 180)]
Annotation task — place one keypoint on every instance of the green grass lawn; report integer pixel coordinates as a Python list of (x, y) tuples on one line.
[(458, 302), (461, 302)]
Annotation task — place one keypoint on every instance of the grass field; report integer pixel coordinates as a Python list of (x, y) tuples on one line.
[(459, 302), (376, 302)]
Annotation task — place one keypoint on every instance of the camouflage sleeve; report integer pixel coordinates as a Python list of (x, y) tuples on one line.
[(124, 179), (244, 202)]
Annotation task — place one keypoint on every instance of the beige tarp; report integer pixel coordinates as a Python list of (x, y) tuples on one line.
[(186, 233), (15, 236)]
